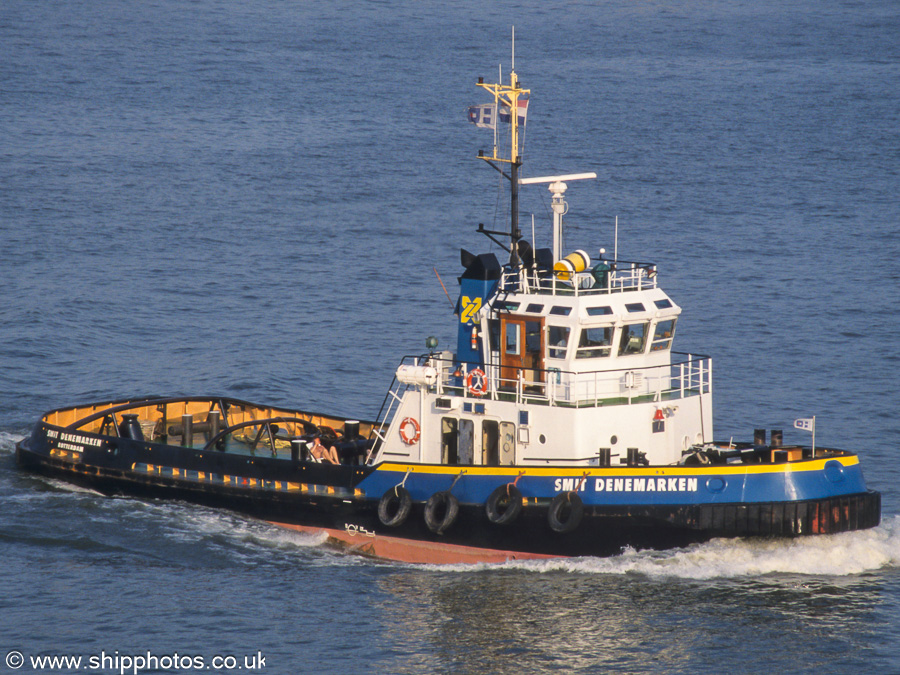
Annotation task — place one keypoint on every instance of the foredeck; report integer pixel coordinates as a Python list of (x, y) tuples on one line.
[(203, 423)]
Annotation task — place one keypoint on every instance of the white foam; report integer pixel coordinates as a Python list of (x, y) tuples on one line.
[(278, 537), (8, 442), (68, 487), (191, 523), (847, 554)]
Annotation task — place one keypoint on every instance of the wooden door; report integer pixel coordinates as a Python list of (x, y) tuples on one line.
[(521, 349)]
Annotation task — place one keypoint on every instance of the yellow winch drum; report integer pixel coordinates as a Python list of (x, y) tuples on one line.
[(575, 262)]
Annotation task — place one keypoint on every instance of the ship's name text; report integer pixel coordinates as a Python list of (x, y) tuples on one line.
[(73, 441), (628, 484)]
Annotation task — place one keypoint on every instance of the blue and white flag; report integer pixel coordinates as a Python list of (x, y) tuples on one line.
[(484, 116), (806, 423)]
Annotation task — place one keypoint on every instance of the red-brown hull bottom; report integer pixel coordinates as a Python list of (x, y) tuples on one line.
[(410, 550)]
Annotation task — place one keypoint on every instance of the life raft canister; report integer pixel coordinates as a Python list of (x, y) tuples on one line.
[(441, 510), (476, 382), (573, 263), (394, 506), (409, 430), (504, 504), (566, 511)]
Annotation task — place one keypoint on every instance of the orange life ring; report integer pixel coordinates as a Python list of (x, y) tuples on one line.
[(476, 382), (409, 430)]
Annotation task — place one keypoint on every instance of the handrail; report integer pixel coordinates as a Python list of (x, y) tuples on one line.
[(115, 407), (91, 412), (622, 275), (688, 376), (268, 425), (385, 413), (385, 410)]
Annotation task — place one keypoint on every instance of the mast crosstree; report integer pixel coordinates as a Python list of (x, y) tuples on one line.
[(508, 96)]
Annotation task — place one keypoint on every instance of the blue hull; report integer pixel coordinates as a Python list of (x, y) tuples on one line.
[(513, 511)]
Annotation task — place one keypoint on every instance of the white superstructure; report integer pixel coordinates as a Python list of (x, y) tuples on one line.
[(576, 372), (559, 360)]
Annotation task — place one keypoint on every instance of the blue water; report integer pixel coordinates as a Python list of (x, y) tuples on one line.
[(251, 198)]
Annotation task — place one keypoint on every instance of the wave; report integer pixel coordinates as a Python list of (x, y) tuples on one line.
[(223, 524), (839, 555), (8, 442), (63, 486), (192, 529)]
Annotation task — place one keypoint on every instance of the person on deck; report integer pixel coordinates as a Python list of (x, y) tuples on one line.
[(322, 454)]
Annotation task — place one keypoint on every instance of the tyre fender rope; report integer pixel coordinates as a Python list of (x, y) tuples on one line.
[(395, 504), (441, 511), (565, 513), (504, 504), (442, 508)]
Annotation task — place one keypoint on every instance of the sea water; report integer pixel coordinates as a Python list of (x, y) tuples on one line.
[(256, 200)]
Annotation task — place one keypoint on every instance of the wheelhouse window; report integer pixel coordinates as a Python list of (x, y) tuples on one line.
[(634, 338), (494, 334), (512, 338), (533, 337), (662, 336), (594, 342), (558, 339)]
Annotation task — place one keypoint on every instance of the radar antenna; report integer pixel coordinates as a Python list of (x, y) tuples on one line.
[(558, 204)]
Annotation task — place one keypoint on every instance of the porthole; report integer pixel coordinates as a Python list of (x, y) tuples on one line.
[(715, 484)]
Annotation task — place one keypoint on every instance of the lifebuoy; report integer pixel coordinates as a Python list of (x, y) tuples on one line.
[(394, 506), (504, 504), (565, 512), (409, 430), (441, 510), (476, 382)]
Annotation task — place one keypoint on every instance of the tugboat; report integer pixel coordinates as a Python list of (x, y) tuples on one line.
[(562, 425)]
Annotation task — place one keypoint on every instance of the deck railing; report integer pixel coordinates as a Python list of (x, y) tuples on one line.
[(687, 375), (604, 277)]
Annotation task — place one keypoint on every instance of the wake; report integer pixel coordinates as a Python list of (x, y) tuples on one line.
[(846, 554)]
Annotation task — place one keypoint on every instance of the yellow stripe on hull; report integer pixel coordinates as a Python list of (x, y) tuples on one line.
[(591, 471)]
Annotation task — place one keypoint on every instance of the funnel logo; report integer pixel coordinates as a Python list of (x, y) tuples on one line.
[(470, 307)]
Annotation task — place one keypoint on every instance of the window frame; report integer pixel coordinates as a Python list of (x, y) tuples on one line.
[(625, 346), (589, 351)]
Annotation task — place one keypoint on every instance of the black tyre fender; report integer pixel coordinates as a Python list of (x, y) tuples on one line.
[(394, 506), (566, 511), (504, 505), (441, 511)]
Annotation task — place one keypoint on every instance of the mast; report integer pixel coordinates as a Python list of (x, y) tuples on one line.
[(514, 232), (507, 96)]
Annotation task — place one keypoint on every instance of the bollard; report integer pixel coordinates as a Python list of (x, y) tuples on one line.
[(187, 430)]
